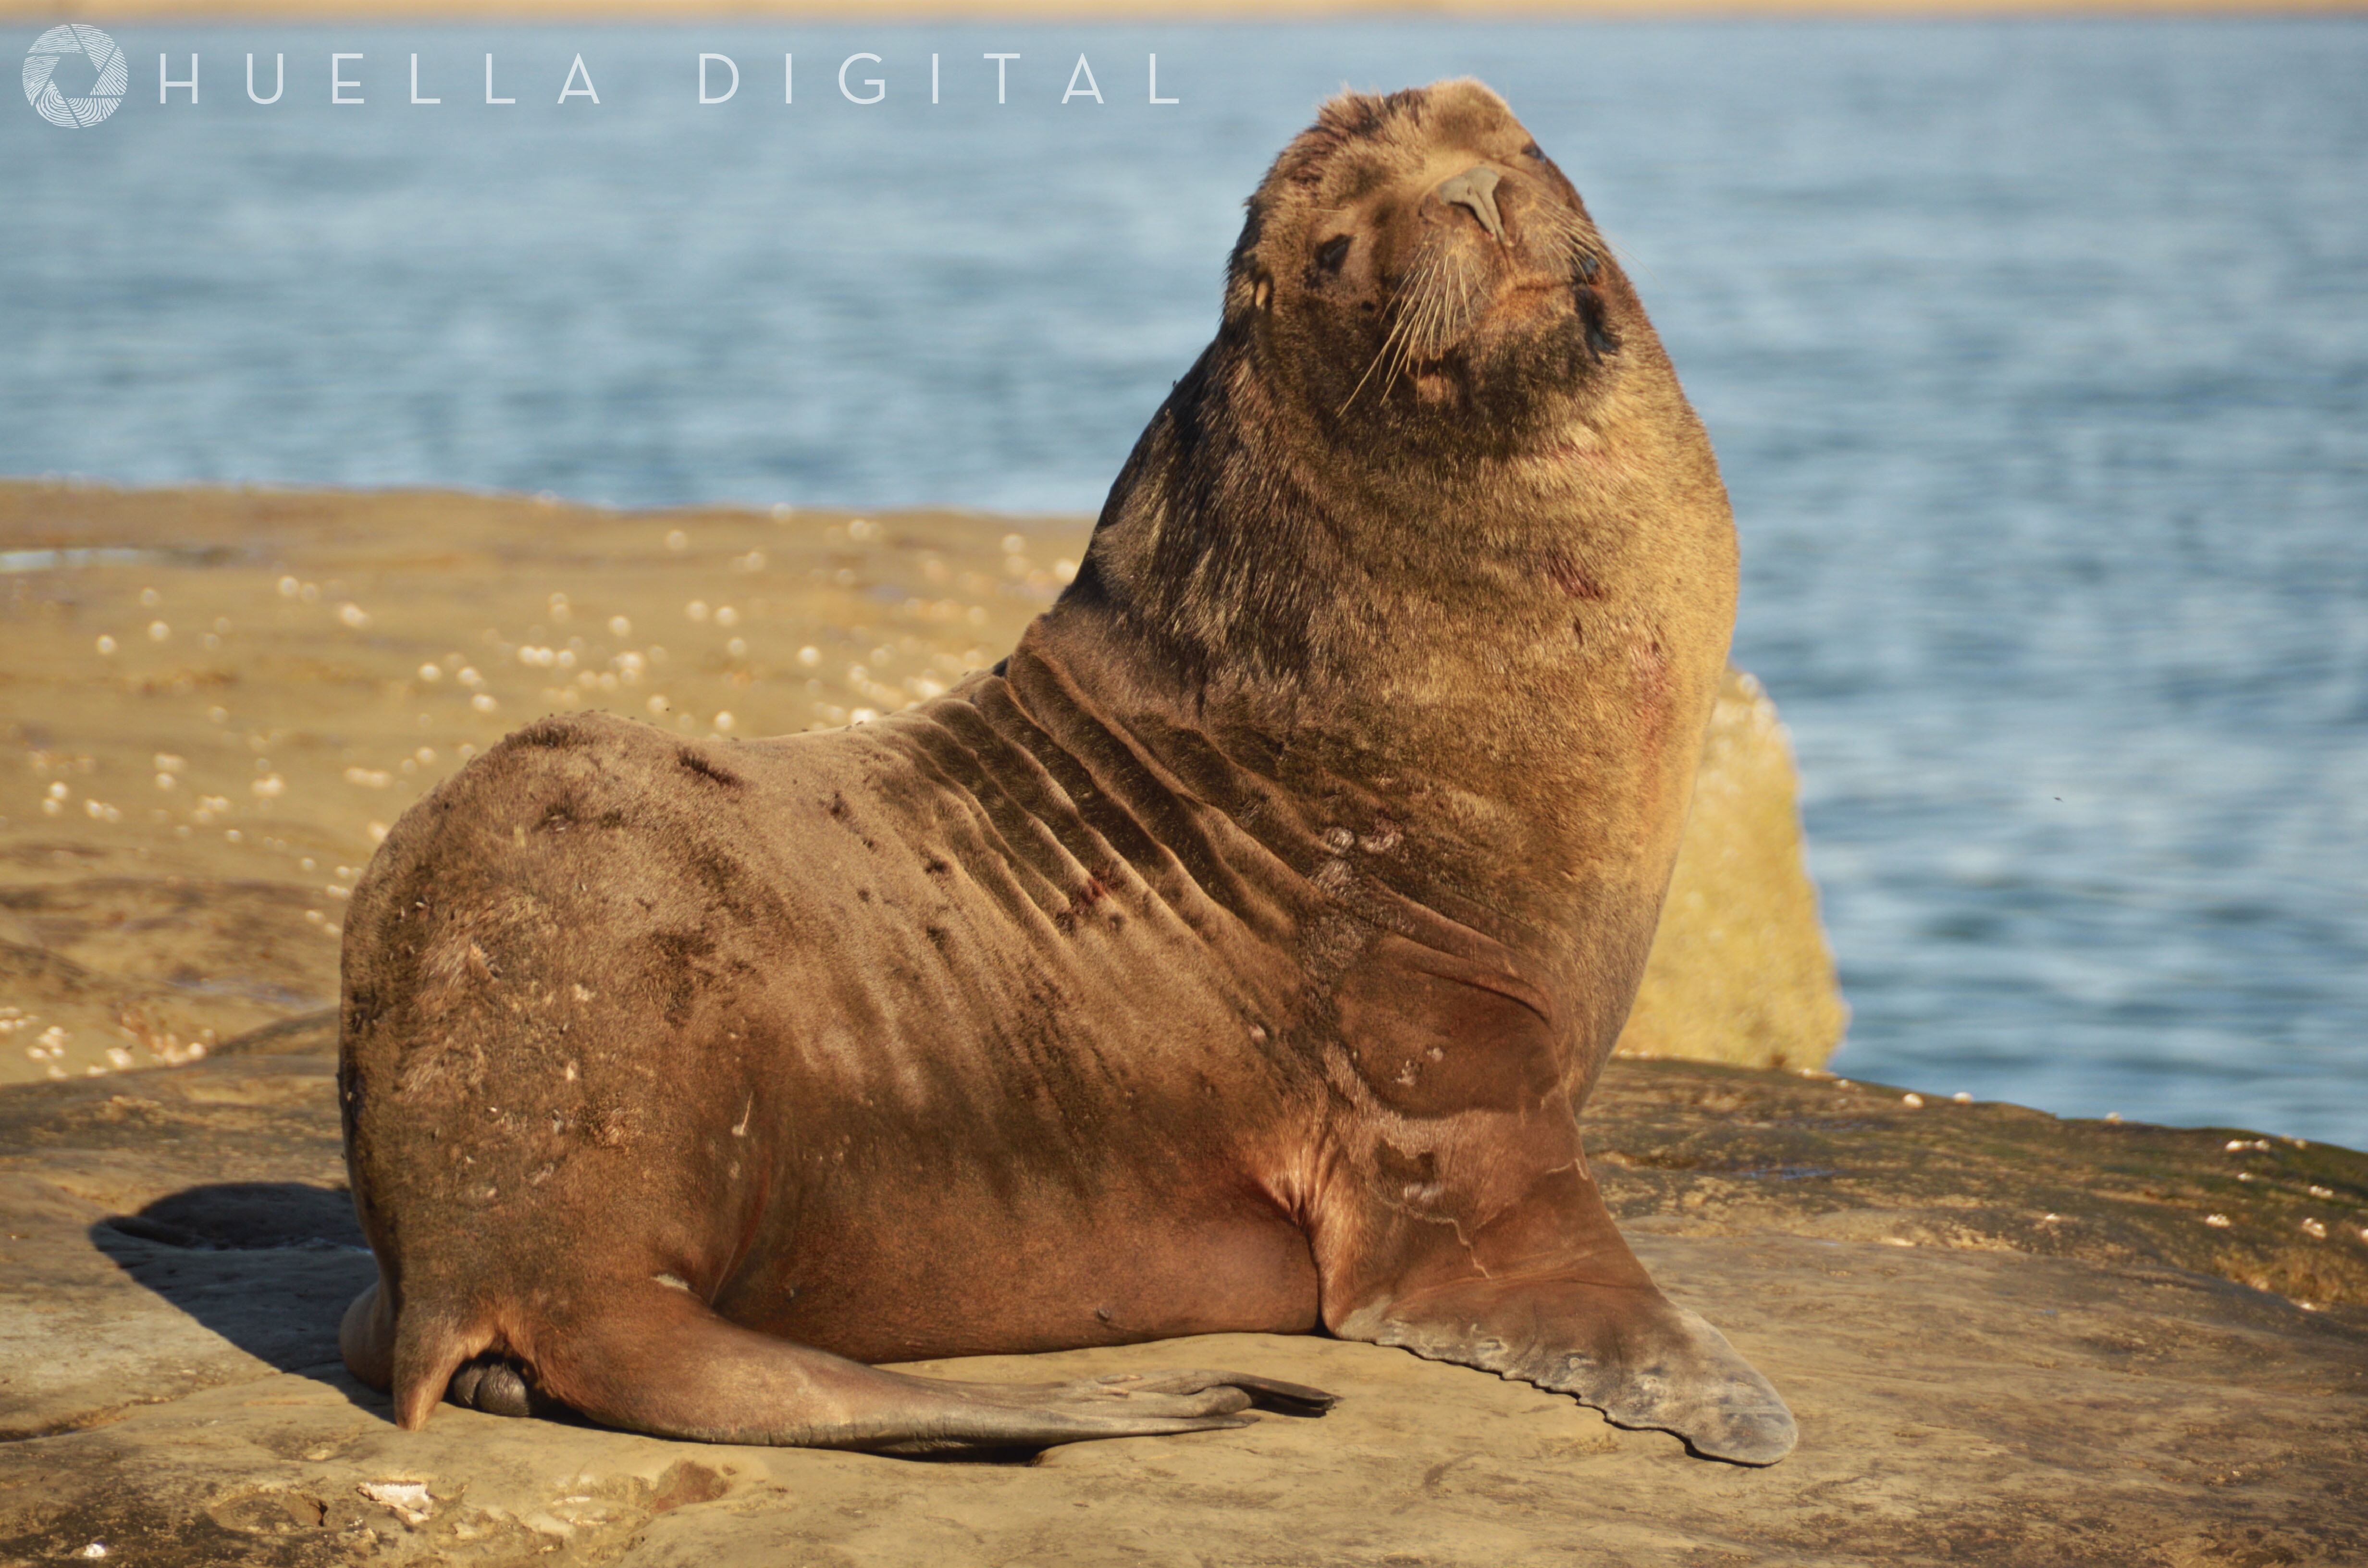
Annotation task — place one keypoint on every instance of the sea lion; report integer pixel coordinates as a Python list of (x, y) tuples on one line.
[(1235, 956)]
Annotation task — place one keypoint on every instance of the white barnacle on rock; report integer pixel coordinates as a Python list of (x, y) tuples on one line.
[(2314, 1229), (408, 1500), (2217, 1221)]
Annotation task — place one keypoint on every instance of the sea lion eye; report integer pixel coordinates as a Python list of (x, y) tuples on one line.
[(1332, 252), (1533, 151)]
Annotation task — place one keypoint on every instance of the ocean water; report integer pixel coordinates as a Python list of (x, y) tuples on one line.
[(2036, 353)]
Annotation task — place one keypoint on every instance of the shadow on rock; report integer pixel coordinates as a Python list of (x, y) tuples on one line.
[(270, 1265)]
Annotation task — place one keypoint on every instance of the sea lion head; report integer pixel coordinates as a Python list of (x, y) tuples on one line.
[(1432, 390), (1414, 269)]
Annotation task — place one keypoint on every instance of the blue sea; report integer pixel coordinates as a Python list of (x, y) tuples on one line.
[(2036, 353)]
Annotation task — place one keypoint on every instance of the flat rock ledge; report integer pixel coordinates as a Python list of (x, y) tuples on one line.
[(2009, 1339)]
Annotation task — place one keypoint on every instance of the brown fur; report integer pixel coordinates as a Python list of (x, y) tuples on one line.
[(1235, 957)]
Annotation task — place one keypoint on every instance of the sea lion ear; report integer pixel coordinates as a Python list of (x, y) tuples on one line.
[(1261, 292)]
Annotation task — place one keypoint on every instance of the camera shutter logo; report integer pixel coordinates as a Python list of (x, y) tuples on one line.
[(42, 62)]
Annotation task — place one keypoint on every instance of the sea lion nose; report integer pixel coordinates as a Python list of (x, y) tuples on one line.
[(1475, 190)]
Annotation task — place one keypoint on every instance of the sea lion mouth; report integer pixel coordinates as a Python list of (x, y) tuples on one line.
[(1486, 297)]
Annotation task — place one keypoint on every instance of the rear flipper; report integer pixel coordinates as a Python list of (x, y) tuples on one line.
[(657, 1360)]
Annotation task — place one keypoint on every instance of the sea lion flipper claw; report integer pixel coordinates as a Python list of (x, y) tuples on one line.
[(1693, 1382)]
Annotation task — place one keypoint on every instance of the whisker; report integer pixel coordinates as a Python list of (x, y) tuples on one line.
[(1374, 364)]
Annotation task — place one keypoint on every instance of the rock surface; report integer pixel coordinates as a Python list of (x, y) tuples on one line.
[(214, 719), (1976, 1381), (1739, 969)]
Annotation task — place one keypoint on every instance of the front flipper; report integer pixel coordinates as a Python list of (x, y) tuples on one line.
[(1535, 1283), (1628, 1351)]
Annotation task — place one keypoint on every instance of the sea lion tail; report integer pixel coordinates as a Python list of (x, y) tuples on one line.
[(425, 1359), (429, 1347), (412, 1354)]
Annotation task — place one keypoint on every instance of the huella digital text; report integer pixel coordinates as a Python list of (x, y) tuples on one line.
[(863, 77)]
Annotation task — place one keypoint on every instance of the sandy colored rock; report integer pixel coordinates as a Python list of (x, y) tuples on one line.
[(1739, 969), (176, 1249), (184, 815), (215, 701)]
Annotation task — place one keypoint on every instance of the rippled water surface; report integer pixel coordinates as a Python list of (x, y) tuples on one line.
[(2036, 353)]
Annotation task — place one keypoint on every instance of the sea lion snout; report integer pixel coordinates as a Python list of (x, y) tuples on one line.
[(1474, 191)]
